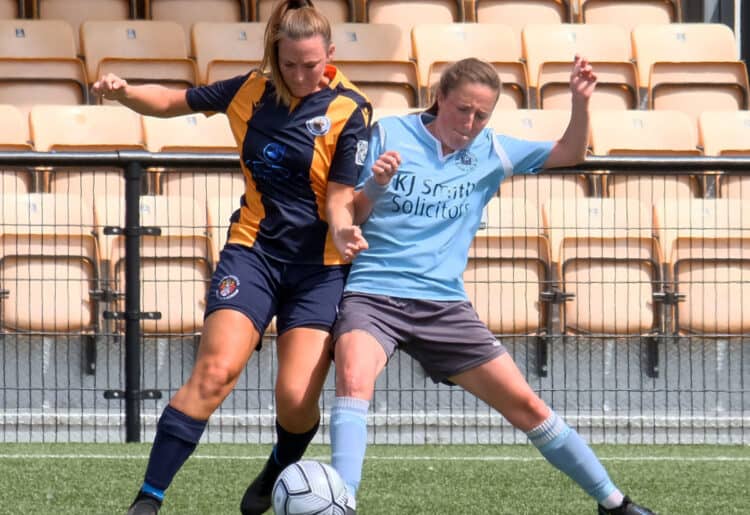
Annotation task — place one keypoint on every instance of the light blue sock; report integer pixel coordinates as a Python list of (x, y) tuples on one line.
[(563, 447), (349, 440)]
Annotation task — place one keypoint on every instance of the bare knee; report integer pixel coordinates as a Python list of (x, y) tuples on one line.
[(213, 380), (356, 367), (530, 412)]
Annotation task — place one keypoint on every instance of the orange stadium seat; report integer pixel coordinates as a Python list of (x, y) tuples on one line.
[(691, 67), (337, 11), (654, 133), (519, 13), (437, 45), (224, 50), (189, 12), (38, 64), (537, 125), (12, 9), (727, 133), (376, 57), (138, 51), (707, 249), (176, 266), (14, 135), (194, 133), (80, 128), (411, 12), (49, 264), (549, 51), (75, 12), (629, 13)]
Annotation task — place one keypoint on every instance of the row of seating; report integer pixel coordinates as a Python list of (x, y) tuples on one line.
[(690, 67), (617, 268), (517, 13)]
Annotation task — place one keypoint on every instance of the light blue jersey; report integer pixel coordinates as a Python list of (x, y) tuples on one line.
[(421, 228)]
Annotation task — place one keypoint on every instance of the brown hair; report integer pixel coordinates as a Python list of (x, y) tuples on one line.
[(470, 70), (293, 19)]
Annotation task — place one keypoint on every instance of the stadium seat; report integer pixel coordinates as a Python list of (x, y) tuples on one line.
[(194, 133), (75, 12), (49, 264), (376, 57), (12, 9), (727, 133), (220, 209), (519, 13), (14, 135), (549, 51), (707, 249), (629, 13), (608, 259), (691, 67), (224, 50), (81, 128), (411, 12), (38, 64), (176, 265), (653, 133), (138, 51), (337, 11), (189, 12), (382, 112), (537, 125), (435, 46)]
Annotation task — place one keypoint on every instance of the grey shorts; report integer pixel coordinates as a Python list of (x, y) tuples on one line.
[(446, 338)]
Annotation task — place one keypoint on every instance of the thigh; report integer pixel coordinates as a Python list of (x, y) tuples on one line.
[(309, 296)]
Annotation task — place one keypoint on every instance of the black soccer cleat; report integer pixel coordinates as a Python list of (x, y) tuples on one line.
[(144, 505), (627, 507), (257, 498)]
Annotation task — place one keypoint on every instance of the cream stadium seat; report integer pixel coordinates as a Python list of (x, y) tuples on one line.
[(337, 11), (38, 64), (435, 46), (707, 248), (519, 13), (194, 133), (727, 133), (14, 135), (629, 13), (411, 12), (225, 50), (12, 9)]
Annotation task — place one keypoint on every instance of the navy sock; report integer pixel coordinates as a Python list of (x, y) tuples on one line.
[(177, 435), (289, 448)]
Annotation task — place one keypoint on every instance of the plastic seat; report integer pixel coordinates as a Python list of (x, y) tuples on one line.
[(629, 13), (38, 64), (81, 128), (14, 135), (12, 9), (707, 249), (382, 112), (75, 12), (549, 51), (138, 51), (411, 12), (537, 125), (337, 11), (519, 13), (727, 133), (691, 67), (225, 50), (376, 58), (435, 46), (176, 266), (49, 264), (655, 133), (194, 133)]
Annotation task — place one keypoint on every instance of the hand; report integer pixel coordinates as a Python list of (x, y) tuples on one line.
[(111, 87), (349, 241), (582, 79), (385, 167)]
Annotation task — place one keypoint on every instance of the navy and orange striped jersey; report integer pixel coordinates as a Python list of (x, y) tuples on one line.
[(288, 156)]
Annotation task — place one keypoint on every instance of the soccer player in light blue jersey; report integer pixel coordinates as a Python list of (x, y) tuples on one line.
[(410, 223)]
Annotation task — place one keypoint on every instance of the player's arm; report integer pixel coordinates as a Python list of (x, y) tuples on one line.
[(146, 99), (383, 169), (340, 212), (571, 148)]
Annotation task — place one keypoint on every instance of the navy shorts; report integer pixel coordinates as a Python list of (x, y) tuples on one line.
[(445, 337), (259, 286)]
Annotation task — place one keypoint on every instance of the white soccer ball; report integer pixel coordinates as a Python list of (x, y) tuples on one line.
[(309, 487)]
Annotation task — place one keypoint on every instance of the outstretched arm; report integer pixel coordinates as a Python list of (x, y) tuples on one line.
[(571, 148), (147, 99)]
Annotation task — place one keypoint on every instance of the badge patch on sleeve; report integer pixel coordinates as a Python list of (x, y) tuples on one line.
[(361, 155)]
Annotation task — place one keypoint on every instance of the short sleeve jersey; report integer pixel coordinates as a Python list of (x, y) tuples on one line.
[(288, 156), (421, 228)]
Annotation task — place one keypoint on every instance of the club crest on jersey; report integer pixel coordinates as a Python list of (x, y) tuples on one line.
[(229, 286), (318, 126), (466, 161), (361, 155)]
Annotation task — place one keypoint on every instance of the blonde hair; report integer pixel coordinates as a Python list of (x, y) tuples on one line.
[(293, 19), (471, 70)]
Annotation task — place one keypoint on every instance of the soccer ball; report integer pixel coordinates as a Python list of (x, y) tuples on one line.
[(309, 487)]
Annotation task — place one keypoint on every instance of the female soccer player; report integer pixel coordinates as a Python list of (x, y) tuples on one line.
[(300, 128), (405, 290)]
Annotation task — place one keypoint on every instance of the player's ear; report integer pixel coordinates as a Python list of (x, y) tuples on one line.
[(331, 51)]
